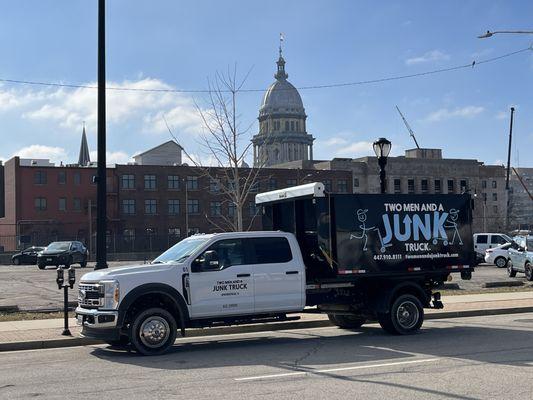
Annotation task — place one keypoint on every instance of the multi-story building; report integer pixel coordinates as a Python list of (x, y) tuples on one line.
[(149, 206), (520, 200)]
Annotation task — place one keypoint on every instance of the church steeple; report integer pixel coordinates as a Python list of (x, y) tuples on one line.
[(84, 159)]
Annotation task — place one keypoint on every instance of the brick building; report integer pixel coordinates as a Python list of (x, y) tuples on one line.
[(149, 206)]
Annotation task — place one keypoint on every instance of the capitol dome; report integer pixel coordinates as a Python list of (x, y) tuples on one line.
[(282, 133)]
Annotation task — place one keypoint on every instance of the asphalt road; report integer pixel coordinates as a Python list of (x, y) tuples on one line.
[(30, 288), (468, 358)]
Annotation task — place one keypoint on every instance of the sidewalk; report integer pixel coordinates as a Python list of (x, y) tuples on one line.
[(46, 333)]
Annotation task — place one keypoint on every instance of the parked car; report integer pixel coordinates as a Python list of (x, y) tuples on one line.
[(484, 241), (499, 255), (63, 253), (27, 256), (521, 259)]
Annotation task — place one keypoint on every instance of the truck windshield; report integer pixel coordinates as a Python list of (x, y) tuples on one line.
[(181, 250)]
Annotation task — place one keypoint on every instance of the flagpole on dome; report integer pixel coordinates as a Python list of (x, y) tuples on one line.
[(281, 40)]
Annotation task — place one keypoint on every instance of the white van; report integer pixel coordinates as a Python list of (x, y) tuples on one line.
[(484, 241)]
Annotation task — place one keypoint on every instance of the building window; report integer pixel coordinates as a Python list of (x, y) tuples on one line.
[(438, 187), (494, 196), (291, 182), (232, 209), (129, 235), (297, 126), (77, 178), (252, 209), (483, 184), (410, 186), (342, 186), (193, 206), (174, 232), (494, 184), (173, 182), (495, 209), (40, 203), (464, 185), (450, 186), (150, 206), (76, 204), (286, 126), (127, 182), (62, 177), (173, 206), (192, 183), (355, 182), (485, 197), (255, 187), (292, 126), (272, 184), (424, 185), (39, 178), (193, 231), (327, 184), (62, 204), (128, 206), (93, 180), (215, 208), (149, 182), (214, 185), (397, 186)]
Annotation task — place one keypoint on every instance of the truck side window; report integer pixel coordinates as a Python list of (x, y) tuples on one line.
[(270, 250), (230, 252), (497, 239), (482, 239)]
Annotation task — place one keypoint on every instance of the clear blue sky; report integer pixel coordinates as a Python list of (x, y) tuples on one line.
[(179, 44)]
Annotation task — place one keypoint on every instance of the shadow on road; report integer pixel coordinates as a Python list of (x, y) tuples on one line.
[(295, 349)]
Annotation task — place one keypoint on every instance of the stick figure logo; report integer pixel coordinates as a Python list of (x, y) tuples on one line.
[(362, 217), (451, 223)]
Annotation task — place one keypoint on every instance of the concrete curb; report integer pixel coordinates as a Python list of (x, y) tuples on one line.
[(276, 326)]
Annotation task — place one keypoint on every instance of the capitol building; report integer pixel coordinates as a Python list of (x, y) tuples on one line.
[(282, 133)]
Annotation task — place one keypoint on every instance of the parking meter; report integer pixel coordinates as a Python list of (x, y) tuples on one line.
[(60, 277), (71, 277)]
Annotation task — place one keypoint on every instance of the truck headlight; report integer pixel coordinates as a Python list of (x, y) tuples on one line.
[(111, 293)]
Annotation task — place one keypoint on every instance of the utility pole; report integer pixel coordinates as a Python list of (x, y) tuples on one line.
[(101, 198), (509, 151)]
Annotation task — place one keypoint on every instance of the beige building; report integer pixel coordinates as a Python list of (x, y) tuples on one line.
[(426, 171)]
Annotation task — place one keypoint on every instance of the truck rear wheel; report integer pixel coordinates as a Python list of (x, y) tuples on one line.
[(153, 331), (405, 317), (346, 321)]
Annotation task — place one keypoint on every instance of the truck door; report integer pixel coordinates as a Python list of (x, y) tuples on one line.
[(225, 286), (278, 275)]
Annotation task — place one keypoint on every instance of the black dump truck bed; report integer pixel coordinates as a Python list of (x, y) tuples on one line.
[(349, 235)]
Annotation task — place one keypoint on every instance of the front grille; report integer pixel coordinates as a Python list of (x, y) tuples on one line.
[(90, 295)]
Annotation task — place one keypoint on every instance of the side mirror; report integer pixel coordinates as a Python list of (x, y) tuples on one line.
[(210, 260)]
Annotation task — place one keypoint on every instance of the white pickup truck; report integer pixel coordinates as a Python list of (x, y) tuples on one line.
[(247, 277)]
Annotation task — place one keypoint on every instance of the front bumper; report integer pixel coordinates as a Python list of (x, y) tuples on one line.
[(53, 259), (98, 324)]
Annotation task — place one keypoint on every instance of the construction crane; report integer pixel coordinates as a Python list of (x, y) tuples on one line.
[(411, 133)]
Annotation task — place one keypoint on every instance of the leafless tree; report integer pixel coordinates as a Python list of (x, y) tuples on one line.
[(227, 145)]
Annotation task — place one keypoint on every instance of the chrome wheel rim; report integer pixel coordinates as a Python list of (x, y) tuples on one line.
[(407, 314), (154, 332)]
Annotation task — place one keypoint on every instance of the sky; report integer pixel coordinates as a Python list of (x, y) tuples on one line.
[(181, 44)]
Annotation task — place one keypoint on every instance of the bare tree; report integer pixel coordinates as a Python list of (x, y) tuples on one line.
[(227, 146)]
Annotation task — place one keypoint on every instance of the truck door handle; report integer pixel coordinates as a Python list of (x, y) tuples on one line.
[(243, 275), (291, 272)]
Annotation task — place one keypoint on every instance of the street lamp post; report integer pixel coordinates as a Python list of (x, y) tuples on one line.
[(382, 149), (101, 190), (489, 34)]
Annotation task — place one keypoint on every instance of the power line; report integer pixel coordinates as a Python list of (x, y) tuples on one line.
[(310, 87)]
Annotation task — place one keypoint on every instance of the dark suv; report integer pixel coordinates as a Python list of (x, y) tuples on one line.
[(63, 253)]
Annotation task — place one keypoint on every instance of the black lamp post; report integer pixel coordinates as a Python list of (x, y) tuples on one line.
[(382, 149)]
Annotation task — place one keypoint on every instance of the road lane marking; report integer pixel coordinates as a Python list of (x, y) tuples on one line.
[(323, 371)]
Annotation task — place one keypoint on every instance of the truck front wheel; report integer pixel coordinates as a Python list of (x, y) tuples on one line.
[(153, 331), (346, 321), (405, 317)]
